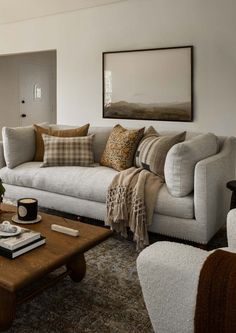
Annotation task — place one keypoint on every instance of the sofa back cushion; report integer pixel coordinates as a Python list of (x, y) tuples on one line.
[(67, 151), (101, 135), (18, 145), (181, 161)]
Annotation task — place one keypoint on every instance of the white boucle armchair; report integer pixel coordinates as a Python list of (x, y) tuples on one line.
[(169, 274)]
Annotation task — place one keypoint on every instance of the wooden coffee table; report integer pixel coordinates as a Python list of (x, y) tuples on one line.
[(59, 250)]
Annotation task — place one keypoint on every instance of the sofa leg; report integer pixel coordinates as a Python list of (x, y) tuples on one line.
[(202, 246)]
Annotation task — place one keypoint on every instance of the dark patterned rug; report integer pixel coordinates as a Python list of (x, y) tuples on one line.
[(108, 300)]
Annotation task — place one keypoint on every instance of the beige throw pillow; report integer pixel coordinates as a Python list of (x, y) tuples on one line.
[(67, 151), (39, 151), (182, 159), (152, 151), (120, 148)]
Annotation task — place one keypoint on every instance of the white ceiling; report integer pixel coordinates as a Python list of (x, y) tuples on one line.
[(20, 10)]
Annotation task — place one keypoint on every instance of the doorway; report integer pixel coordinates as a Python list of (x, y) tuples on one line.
[(28, 88)]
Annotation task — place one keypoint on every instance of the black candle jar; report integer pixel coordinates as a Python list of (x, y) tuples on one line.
[(27, 209)]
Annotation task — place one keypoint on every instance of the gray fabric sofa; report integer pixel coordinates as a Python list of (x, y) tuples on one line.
[(82, 190)]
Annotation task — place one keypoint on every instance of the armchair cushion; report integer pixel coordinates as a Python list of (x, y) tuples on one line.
[(169, 275)]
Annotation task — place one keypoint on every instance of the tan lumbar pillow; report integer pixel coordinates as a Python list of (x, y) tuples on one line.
[(74, 132), (120, 148)]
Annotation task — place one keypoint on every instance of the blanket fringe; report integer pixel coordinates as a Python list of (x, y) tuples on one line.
[(123, 205)]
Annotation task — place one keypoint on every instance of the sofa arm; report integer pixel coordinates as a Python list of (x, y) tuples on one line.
[(211, 197), (2, 159), (231, 229), (169, 274)]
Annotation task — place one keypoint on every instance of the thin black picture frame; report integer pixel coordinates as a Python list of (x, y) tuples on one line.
[(191, 47)]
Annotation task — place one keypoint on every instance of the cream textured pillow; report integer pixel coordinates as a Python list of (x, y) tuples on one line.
[(74, 132), (181, 161), (120, 148), (68, 151), (152, 151), (18, 145)]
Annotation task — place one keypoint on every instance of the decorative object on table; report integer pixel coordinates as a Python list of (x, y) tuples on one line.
[(232, 186), (7, 229), (155, 84), (16, 220), (27, 209), (21, 242), (12, 254), (65, 230), (25, 237)]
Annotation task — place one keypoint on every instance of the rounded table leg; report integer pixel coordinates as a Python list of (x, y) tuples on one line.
[(7, 309), (77, 266)]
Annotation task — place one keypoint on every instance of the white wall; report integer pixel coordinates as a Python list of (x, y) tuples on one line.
[(80, 37), (10, 87)]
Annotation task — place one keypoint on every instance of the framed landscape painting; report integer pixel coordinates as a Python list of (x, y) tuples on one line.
[(153, 84)]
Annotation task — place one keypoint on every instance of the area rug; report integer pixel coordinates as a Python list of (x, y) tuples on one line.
[(107, 300)]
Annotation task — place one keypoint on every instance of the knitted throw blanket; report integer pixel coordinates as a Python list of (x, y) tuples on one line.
[(216, 298), (131, 201)]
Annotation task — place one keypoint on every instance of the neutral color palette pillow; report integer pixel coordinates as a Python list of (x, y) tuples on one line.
[(120, 148), (18, 145), (39, 146), (74, 132), (68, 151), (181, 161), (152, 151)]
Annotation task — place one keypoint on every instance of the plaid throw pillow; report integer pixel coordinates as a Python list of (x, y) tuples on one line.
[(67, 151), (39, 149)]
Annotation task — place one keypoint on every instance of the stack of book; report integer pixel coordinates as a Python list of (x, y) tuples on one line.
[(14, 246)]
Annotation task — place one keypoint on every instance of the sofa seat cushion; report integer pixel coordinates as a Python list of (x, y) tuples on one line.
[(166, 204), (89, 183)]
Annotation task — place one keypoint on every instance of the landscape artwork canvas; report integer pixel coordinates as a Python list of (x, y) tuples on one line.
[(155, 84)]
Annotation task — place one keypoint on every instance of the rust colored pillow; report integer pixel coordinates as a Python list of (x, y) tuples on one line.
[(39, 149), (73, 132), (120, 148)]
